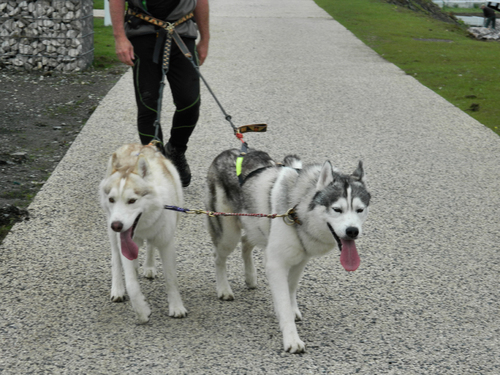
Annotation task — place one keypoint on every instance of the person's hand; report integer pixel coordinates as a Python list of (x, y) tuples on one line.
[(202, 49), (124, 51)]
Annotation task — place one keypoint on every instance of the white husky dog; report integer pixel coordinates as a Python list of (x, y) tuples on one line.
[(329, 209), (138, 183)]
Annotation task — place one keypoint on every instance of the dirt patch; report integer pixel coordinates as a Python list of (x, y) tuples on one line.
[(42, 113)]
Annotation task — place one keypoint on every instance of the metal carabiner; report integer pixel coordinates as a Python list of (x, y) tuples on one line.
[(170, 27), (291, 218)]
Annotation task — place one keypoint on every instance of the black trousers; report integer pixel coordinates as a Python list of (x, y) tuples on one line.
[(184, 84)]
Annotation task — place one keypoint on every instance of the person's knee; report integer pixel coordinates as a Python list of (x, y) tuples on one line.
[(148, 98), (188, 103)]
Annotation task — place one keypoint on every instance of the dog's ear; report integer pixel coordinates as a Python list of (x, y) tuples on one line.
[(359, 173), (113, 164), (142, 167), (325, 176)]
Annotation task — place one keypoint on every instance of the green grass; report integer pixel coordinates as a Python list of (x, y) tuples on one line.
[(4, 230), (104, 46), (466, 72), (104, 43), (25, 194), (98, 4)]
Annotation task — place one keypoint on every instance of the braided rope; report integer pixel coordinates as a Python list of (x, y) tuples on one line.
[(214, 214), (288, 217)]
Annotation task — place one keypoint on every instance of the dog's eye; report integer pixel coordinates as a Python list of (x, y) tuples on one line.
[(338, 210), (360, 210), (111, 200), (132, 201)]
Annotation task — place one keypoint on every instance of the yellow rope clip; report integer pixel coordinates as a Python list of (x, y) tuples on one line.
[(290, 219)]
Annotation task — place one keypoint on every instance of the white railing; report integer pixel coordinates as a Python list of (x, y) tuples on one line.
[(459, 3)]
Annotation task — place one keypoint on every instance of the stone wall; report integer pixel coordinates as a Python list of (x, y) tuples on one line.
[(46, 34), (483, 33)]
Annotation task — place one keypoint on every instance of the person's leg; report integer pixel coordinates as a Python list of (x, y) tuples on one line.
[(488, 22), (147, 78), (185, 86)]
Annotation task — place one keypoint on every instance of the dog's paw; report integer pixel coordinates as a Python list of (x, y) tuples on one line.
[(177, 312), (251, 281), (118, 295), (149, 272), (118, 298), (250, 276), (143, 315), (294, 346), (226, 296), (224, 292)]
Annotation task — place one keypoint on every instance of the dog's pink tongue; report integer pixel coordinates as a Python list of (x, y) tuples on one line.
[(129, 249), (349, 257)]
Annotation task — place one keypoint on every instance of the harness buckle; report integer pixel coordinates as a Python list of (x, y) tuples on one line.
[(170, 27), (157, 144)]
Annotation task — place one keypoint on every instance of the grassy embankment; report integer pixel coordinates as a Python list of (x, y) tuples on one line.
[(464, 71)]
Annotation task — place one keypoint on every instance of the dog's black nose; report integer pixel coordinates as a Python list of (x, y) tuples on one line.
[(117, 226), (352, 232)]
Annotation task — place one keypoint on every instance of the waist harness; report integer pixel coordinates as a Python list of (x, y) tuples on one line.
[(167, 30)]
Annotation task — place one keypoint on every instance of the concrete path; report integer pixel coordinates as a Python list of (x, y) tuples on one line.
[(425, 299)]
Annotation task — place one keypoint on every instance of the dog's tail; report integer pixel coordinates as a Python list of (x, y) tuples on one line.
[(292, 161), (223, 194)]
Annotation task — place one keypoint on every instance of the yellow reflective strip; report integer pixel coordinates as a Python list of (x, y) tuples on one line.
[(239, 161)]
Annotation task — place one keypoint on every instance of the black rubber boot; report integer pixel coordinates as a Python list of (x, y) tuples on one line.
[(179, 160)]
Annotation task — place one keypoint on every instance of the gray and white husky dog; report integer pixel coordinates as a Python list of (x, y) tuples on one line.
[(329, 209)]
